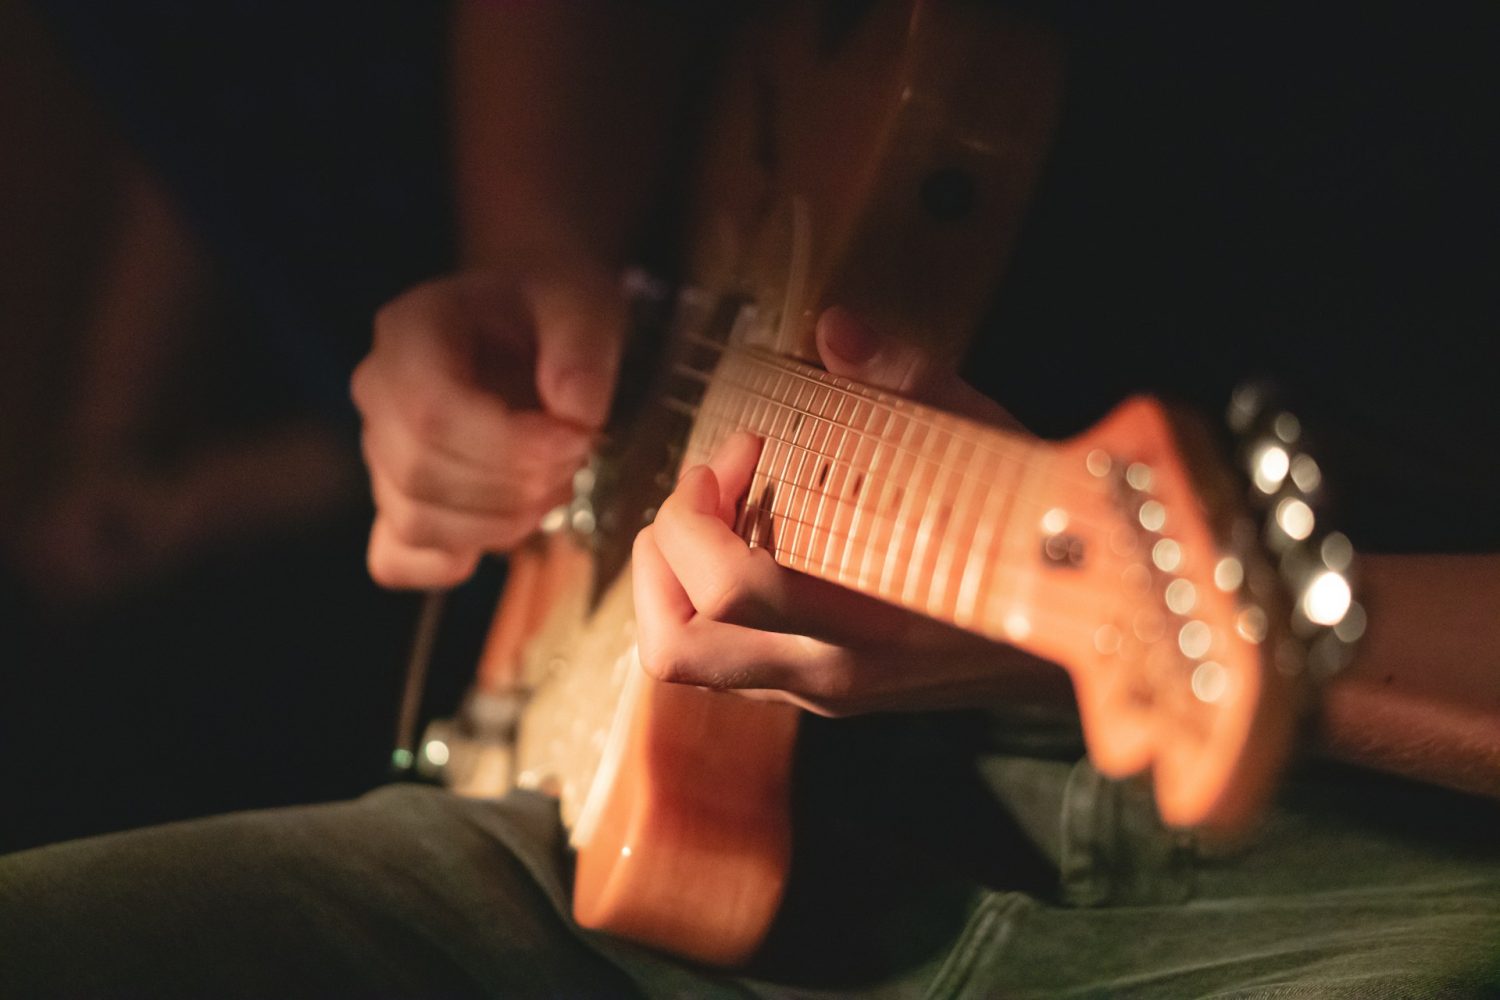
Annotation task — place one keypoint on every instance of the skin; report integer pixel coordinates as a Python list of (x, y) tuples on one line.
[(459, 469), (712, 612), (482, 391), (465, 455), (1422, 699)]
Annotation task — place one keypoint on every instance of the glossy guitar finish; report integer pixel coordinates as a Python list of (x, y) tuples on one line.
[(882, 165)]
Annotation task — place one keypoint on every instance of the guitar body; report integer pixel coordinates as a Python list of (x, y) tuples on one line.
[(677, 799), (822, 182), (693, 839), (882, 163)]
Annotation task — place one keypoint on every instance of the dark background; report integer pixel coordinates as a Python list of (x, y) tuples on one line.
[(305, 147), (1235, 190)]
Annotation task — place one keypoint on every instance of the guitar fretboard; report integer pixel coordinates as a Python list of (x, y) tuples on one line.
[(880, 494)]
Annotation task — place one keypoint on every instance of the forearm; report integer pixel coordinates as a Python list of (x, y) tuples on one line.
[(1422, 698), (563, 119)]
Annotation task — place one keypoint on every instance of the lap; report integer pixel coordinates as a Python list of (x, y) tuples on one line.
[(1356, 885), (409, 891)]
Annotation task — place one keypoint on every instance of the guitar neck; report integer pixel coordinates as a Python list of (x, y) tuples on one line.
[(888, 497)]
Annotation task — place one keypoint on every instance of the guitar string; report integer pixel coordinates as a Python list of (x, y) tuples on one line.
[(928, 473), (831, 549), (822, 532), (837, 387), (1038, 617), (932, 449), (919, 453), (894, 409), (844, 390), (982, 438), (1181, 709), (1044, 619), (911, 483), (992, 440), (840, 392), (721, 424), (956, 429)]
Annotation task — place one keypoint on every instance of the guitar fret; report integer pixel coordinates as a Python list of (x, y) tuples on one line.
[(815, 430), (875, 492), (878, 521), (817, 524), (797, 492), (804, 533), (834, 492), (960, 533), (770, 535), (865, 472), (939, 532), (902, 537), (747, 525), (856, 478), (971, 584), (839, 393), (898, 490), (785, 517), (786, 393), (999, 609), (816, 556), (922, 536), (784, 490)]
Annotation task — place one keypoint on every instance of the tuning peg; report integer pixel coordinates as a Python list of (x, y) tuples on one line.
[(1314, 565)]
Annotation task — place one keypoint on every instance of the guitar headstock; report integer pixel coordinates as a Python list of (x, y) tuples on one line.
[(1193, 670)]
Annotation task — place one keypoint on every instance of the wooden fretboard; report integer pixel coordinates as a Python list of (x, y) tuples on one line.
[(885, 496)]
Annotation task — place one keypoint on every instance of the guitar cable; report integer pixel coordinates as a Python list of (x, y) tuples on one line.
[(404, 756), (649, 298)]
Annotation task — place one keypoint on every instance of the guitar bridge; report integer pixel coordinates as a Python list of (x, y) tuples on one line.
[(474, 753)]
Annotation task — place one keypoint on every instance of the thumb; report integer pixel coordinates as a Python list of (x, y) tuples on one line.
[(580, 327), (733, 465), (850, 348)]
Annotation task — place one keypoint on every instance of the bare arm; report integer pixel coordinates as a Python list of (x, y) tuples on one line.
[(562, 111), (1422, 698), (562, 115), (482, 391)]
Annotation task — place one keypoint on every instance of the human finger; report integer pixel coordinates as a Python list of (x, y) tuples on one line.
[(728, 581), (580, 327), (720, 573), (394, 564), (424, 370), (852, 348), (515, 480), (679, 646), (420, 524)]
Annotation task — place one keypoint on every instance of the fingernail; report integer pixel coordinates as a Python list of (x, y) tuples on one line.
[(700, 487), (847, 337), (580, 395)]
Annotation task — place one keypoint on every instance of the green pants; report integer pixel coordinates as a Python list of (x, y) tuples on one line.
[(927, 865)]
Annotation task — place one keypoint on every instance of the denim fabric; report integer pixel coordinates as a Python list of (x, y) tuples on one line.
[(1356, 886)]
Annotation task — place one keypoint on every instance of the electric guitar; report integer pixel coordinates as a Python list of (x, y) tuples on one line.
[(882, 162)]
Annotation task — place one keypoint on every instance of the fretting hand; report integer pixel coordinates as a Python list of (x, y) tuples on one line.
[(713, 612)]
